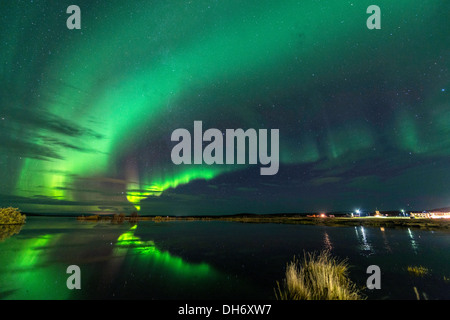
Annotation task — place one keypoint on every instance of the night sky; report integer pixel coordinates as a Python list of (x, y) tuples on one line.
[(86, 116)]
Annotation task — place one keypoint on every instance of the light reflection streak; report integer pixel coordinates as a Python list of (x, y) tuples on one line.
[(327, 242), (364, 244), (385, 240), (414, 244)]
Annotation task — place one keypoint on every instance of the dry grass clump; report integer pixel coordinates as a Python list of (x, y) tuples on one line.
[(317, 277), (11, 216)]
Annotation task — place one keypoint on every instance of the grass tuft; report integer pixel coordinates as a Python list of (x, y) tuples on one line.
[(317, 277)]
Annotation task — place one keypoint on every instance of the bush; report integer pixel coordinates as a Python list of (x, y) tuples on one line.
[(317, 277), (11, 216)]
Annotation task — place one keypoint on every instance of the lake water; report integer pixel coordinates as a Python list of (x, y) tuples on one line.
[(209, 260)]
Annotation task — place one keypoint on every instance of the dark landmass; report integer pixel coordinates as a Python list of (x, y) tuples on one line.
[(394, 213), (330, 220), (384, 219)]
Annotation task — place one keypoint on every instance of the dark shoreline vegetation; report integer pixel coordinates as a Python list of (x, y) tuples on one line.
[(371, 221)]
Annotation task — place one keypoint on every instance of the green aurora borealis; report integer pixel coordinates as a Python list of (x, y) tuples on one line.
[(86, 115)]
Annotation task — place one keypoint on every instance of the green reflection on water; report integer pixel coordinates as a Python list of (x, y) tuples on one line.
[(147, 250), (35, 268), (26, 272)]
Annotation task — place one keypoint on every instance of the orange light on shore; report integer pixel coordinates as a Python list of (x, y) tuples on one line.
[(322, 215)]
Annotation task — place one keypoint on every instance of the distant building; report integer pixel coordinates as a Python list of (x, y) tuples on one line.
[(419, 215), (440, 215), (430, 215)]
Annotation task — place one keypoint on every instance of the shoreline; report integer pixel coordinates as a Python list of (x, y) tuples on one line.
[(381, 222)]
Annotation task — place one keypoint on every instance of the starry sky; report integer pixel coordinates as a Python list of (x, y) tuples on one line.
[(86, 116)]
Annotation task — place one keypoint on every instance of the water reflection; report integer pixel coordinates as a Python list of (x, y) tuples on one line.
[(364, 244), (414, 244), (385, 240), (35, 267), (327, 242), (147, 262), (7, 231), (26, 273), (129, 243)]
